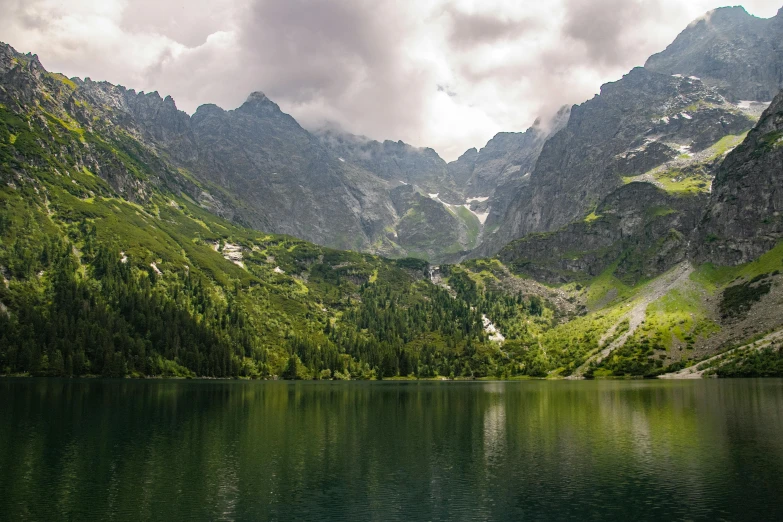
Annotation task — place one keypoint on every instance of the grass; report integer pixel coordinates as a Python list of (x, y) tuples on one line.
[(683, 183), (601, 288), (678, 317), (692, 178), (472, 223), (725, 144), (714, 277), (62, 79), (591, 217)]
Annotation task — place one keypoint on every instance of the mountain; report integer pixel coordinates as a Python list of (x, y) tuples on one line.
[(111, 265), (744, 218), (393, 161), (635, 125), (699, 91), (491, 177), (138, 240), (739, 54), (256, 166)]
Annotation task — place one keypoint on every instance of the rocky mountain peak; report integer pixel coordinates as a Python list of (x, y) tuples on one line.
[(257, 100), (744, 218), (731, 50)]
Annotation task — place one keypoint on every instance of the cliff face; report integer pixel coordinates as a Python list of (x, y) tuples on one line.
[(393, 161), (744, 217), (731, 50), (641, 228), (633, 126)]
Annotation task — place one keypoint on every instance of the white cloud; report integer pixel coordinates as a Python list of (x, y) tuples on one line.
[(445, 74)]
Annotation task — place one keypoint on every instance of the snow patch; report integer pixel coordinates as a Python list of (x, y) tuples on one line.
[(482, 216), (341, 160), (665, 120), (155, 268), (677, 75), (435, 197), (481, 199), (278, 270), (123, 257), (694, 78), (403, 182), (686, 115)]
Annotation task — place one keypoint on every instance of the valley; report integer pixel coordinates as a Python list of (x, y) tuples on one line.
[(637, 234)]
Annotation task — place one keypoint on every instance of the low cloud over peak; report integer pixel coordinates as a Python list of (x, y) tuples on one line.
[(447, 75)]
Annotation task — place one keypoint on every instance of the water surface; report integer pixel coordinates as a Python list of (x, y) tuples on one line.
[(198, 450)]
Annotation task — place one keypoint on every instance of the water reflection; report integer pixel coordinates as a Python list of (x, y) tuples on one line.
[(142, 450)]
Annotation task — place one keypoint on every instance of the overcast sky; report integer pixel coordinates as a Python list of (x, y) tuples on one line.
[(444, 74)]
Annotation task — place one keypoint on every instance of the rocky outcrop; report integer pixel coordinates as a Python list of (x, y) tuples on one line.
[(490, 179), (744, 217), (731, 50), (509, 155), (427, 227), (461, 169), (633, 125), (639, 227), (394, 161), (285, 181)]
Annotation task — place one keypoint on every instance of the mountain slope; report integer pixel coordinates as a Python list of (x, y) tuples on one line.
[(634, 125), (393, 161), (109, 267), (255, 165), (729, 49), (744, 218)]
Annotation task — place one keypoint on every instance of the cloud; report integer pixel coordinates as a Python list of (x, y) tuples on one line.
[(469, 29), (439, 73)]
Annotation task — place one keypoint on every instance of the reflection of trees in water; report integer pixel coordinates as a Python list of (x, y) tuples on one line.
[(271, 450)]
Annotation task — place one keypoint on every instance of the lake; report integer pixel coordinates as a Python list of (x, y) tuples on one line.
[(530, 450)]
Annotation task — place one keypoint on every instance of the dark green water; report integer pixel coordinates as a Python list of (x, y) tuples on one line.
[(183, 450)]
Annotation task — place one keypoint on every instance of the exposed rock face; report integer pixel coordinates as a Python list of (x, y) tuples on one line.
[(728, 48), (27, 88), (500, 169), (461, 169), (505, 155), (427, 228), (640, 226), (744, 217), (634, 125), (285, 180), (394, 161)]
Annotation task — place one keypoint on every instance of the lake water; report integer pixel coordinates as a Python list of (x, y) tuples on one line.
[(206, 450)]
